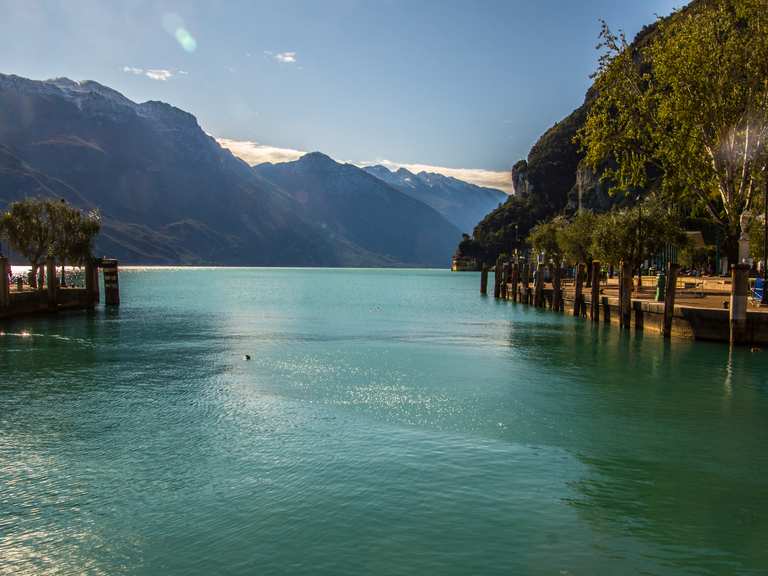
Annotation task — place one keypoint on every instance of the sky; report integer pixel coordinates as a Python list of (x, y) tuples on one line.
[(462, 88)]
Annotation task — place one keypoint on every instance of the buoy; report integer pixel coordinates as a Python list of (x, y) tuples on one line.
[(247, 356)]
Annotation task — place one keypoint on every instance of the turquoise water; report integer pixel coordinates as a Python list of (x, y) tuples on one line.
[(389, 422)]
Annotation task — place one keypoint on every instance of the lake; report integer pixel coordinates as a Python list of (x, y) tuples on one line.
[(389, 422)]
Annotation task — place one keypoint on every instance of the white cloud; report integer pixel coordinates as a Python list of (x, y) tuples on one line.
[(499, 179), (153, 73), (283, 57), (254, 153), (159, 74)]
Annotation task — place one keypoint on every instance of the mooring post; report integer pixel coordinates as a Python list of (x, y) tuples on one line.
[(497, 278), (525, 287), (578, 294), (595, 304), (557, 290), (538, 287), (91, 281), (738, 307), (625, 294), (504, 275), (111, 283), (669, 298), (507, 279), (50, 283), (515, 279), (484, 279), (5, 284)]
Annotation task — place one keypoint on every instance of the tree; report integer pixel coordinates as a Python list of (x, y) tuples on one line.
[(575, 238), (37, 228), (27, 226), (686, 110), (74, 233), (635, 234), (545, 238)]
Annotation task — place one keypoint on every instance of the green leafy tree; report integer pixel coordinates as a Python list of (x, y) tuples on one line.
[(575, 238), (545, 237), (687, 110), (28, 228), (635, 234)]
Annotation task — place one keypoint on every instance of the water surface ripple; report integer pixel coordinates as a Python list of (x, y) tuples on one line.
[(389, 422)]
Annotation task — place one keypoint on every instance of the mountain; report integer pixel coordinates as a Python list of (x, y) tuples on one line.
[(461, 203), (355, 205), (168, 193)]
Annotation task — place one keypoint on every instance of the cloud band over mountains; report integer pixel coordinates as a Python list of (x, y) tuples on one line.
[(255, 153)]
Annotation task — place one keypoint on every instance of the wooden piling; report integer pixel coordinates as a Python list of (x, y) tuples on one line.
[(557, 290), (525, 286), (538, 287), (91, 281), (595, 304), (738, 307), (515, 280), (50, 283), (497, 278), (111, 283), (625, 295), (484, 280), (5, 285), (669, 298), (578, 296), (504, 279)]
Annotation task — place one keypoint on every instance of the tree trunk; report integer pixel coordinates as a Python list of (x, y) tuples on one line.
[(63, 282), (731, 247), (588, 283), (33, 276)]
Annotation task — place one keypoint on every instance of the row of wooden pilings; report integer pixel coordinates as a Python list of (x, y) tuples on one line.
[(54, 292), (512, 281)]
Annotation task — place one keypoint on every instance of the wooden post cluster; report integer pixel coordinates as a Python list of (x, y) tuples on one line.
[(484, 279), (595, 304), (497, 278), (504, 279), (111, 283), (5, 285), (738, 307)]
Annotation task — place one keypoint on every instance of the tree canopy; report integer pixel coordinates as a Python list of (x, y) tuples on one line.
[(38, 228), (687, 112)]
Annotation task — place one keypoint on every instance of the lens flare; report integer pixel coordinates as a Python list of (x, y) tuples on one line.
[(175, 26), (186, 40)]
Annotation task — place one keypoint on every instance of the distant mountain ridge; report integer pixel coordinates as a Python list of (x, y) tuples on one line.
[(170, 194), (463, 204), (359, 206)]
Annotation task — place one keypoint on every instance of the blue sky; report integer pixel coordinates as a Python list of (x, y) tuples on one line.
[(463, 85)]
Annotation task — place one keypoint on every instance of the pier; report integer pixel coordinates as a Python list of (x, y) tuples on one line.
[(50, 296), (697, 308)]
